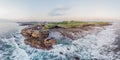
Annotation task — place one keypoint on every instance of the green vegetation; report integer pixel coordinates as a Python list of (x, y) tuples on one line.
[(74, 24)]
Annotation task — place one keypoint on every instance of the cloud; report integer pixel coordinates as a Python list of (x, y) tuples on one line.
[(59, 11)]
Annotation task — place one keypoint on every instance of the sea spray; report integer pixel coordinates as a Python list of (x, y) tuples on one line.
[(97, 45)]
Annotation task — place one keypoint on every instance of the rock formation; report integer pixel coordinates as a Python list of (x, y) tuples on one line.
[(37, 37)]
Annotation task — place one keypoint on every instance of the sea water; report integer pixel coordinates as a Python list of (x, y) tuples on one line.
[(96, 46)]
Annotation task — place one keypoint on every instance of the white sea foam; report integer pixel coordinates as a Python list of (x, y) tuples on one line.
[(93, 46)]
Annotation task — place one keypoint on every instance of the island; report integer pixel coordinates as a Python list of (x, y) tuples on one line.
[(43, 35)]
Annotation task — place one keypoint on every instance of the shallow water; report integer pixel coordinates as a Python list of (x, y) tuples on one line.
[(98, 46)]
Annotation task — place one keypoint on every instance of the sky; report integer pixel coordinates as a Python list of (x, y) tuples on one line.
[(59, 9)]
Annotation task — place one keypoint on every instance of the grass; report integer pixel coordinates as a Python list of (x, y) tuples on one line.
[(73, 24)]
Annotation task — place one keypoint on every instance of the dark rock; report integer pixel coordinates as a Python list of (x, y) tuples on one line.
[(56, 27), (68, 49), (77, 58), (61, 53)]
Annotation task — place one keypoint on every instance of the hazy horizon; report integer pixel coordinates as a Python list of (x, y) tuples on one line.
[(38, 10)]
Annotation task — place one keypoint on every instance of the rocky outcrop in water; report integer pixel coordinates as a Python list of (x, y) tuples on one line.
[(74, 33), (37, 37)]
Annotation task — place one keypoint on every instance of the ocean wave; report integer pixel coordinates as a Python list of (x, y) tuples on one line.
[(93, 46)]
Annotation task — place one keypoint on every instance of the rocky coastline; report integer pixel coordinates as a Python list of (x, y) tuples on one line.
[(38, 37)]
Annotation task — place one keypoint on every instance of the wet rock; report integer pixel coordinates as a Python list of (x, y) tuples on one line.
[(41, 44), (49, 42), (61, 53), (68, 49), (37, 37), (77, 58)]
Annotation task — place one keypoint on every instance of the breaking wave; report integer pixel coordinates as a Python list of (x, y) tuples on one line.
[(95, 46)]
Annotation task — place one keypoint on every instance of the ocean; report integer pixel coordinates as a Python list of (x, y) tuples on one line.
[(95, 46)]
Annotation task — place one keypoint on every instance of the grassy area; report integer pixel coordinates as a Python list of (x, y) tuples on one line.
[(74, 24), (71, 24)]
